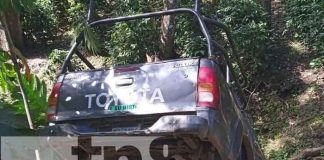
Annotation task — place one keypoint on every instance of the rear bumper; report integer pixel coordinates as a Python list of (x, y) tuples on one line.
[(166, 125), (180, 124)]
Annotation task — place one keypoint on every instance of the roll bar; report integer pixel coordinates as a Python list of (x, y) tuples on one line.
[(214, 49), (194, 12)]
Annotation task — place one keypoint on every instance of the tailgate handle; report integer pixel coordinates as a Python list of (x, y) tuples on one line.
[(124, 81)]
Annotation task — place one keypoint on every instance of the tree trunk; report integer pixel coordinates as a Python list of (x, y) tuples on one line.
[(213, 2), (15, 28), (266, 4), (3, 40), (168, 30), (14, 53)]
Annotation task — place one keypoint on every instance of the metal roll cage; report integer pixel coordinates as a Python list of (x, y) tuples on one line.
[(195, 12)]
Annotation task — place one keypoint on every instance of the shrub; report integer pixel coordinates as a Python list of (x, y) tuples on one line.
[(35, 90), (129, 42), (304, 18), (57, 56), (189, 42), (317, 62), (39, 22), (248, 23)]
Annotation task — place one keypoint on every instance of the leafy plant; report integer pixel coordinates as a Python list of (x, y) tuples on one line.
[(57, 56), (35, 89), (91, 38), (18, 5), (248, 23), (317, 62), (56, 59), (60, 9), (129, 42), (188, 39), (39, 22), (304, 19), (37, 94), (7, 73)]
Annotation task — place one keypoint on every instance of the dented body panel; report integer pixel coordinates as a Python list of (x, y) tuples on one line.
[(132, 90), (159, 99), (156, 99)]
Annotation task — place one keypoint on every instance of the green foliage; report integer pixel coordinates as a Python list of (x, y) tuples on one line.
[(129, 42), (7, 73), (317, 62), (91, 38), (77, 17), (284, 153), (246, 20), (37, 98), (188, 39), (18, 5), (60, 9), (77, 12), (248, 23), (39, 22), (304, 18), (35, 90), (57, 56), (56, 59)]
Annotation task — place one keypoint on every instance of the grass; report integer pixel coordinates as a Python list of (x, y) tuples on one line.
[(288, 111)]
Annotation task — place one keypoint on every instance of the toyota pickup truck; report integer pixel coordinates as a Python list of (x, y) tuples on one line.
[(196, 101)]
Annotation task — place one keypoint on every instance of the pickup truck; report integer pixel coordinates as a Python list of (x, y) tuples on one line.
[(191, 100)]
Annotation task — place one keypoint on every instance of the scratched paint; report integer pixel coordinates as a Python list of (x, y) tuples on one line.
[(152, 88)]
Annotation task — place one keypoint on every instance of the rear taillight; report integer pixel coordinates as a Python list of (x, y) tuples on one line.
[(53, 102), (208, 88)]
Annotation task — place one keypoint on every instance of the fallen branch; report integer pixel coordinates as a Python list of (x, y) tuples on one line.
[(309, 153), (251, 93)]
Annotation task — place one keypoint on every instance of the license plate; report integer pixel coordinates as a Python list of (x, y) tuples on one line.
[(125, 129)]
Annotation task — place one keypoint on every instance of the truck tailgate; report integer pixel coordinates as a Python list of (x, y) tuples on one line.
[(151, 88)]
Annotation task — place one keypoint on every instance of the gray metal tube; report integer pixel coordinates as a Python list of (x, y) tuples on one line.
[(162, 13)]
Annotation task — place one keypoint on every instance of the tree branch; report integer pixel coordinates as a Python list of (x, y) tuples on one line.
[(310, 152), (14, 52)]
